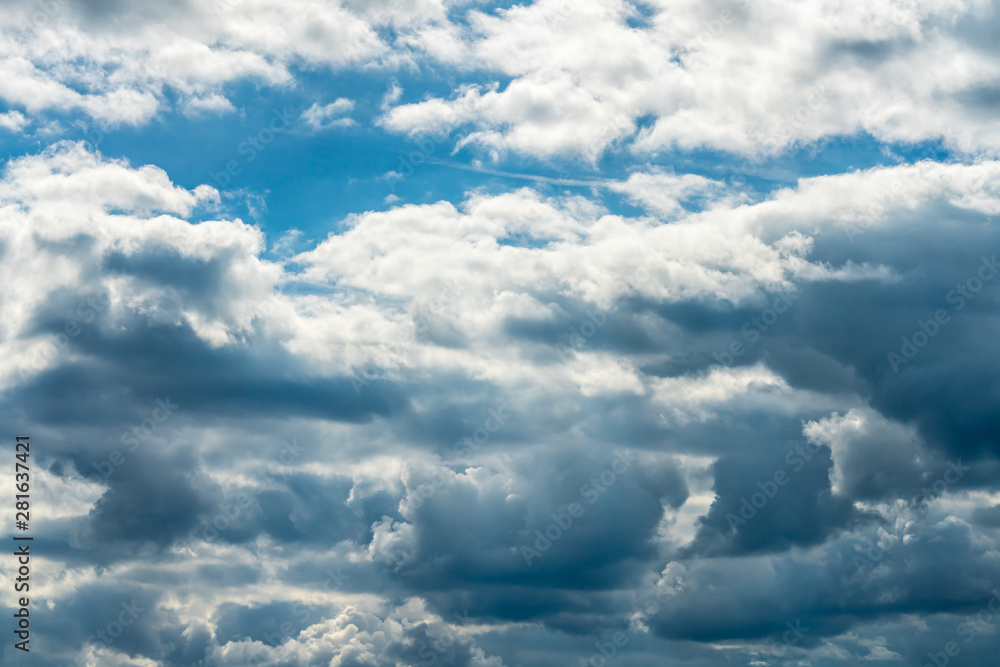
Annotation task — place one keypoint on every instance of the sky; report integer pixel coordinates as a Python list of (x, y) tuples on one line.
[(463, 333)]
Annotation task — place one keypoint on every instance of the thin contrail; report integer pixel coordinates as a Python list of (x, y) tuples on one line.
[(600, 183)]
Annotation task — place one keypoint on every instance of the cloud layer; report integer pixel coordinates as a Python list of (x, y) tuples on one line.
[(655, 417)]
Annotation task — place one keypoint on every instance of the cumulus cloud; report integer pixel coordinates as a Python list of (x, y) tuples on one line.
[(63, 56), (193, 291), (748, 78), (578, 78), (328, 116), (494, 426)]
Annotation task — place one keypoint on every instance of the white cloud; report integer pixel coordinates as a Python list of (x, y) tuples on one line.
[(13, 121), (471, 270), (358, 636), (663, 193), (752, 78), (117, 72), (210, 104), (743, 77), (869, 451), (319, 118), (68, 193)]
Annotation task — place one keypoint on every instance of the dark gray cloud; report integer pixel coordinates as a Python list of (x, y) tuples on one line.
[(772, 504)]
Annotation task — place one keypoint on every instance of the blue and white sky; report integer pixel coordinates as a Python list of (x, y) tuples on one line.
[(464, 333)]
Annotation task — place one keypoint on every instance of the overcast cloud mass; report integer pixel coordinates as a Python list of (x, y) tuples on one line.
[(396, 333)]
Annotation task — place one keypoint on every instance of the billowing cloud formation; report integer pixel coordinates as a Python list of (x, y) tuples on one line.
[(746, 77), (664, 416), (564, 77), (516, 410)]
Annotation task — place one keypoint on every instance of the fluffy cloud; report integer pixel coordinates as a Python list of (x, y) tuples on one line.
[(328, 116), (117, 63), (378, 426), (749, 78), (561, 77)]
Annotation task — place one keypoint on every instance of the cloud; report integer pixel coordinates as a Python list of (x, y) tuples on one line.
[(581, 77), (120, 72), (662, 193), (561, 78), (13, 121), (380, 350), (328, 116), (357, 637)]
